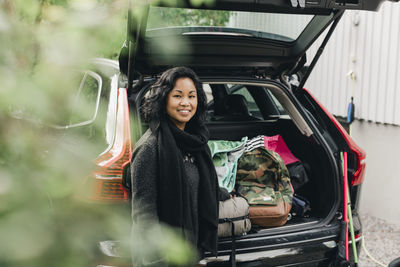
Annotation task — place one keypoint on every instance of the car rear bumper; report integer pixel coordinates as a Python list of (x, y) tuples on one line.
[(316, 246)]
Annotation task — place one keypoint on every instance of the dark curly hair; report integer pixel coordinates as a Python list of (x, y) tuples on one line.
[(154, 106)]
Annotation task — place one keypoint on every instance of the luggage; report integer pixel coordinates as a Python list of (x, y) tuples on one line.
[(300, 205), (233, 221), (233, 211), (270, 215), (263, 179), (298, 174)]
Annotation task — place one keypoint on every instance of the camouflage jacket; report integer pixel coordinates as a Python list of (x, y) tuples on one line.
[(262, 178)]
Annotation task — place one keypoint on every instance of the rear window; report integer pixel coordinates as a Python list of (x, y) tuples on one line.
[(238, 102), (282, 27), (93, 113)]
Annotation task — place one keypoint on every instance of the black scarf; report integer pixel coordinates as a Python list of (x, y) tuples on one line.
[(173, 197)]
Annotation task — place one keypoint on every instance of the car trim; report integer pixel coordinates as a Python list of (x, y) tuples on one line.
[(218, 33), (262, 251), (106, 62)]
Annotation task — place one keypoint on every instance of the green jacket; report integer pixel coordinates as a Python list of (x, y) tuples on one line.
[(225, 156)]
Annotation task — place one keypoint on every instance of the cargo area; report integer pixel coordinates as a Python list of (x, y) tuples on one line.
[(319, 190), (240, 109)]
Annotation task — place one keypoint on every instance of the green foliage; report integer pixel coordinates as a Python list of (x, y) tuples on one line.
[(42, 223), (164, 17)]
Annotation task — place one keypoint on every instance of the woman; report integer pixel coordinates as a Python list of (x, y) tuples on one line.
[(173, 176)]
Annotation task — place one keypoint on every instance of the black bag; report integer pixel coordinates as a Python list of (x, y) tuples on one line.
[(300, 206), (298, 174)]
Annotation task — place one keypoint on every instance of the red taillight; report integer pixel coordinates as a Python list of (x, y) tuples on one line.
[(105, 182), (359, 174), (359, 153)]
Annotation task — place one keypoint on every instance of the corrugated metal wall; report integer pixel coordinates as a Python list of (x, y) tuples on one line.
[(283, 24), (367, 44)]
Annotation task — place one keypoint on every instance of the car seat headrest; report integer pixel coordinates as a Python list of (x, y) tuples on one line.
[(237, 105)]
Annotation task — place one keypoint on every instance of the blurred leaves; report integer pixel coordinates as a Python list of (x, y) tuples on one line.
[(44, 44), (163, 17)]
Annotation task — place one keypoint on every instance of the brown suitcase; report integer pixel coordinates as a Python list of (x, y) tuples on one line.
[(270, 215)]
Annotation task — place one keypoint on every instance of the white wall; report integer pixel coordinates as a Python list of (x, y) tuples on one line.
[(380, 195), (368, 44), (288, 25)]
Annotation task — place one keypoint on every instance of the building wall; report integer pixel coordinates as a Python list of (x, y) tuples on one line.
[(367, 45), (380, 194), (287, 25)]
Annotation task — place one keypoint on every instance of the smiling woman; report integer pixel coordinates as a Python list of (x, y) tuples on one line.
[(172, 174), (182, 102)]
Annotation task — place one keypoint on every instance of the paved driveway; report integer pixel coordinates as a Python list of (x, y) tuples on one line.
[(382, 240)]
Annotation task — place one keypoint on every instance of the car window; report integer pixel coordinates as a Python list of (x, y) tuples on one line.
[(251, 103), (239, 102), (86, 100), (282, 27), (101, 129)]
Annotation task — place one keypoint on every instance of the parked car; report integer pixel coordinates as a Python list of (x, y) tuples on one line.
[(256, 53)]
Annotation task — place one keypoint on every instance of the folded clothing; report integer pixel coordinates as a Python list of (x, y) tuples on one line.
[(225, 155)]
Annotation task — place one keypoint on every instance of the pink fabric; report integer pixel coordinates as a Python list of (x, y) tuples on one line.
[(277, 144)]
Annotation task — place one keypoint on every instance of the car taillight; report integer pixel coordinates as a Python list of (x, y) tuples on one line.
[(358, 152), (105, 182)]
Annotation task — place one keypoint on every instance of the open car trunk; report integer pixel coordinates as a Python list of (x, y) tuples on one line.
[(273, 110), (320, 190)]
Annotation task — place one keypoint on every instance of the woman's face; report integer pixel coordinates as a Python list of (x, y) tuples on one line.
[(182, 102)]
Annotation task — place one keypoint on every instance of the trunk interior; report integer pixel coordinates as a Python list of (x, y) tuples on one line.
[(319, 189)]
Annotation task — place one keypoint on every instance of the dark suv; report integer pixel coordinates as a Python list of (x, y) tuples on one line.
[(250, 57)]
